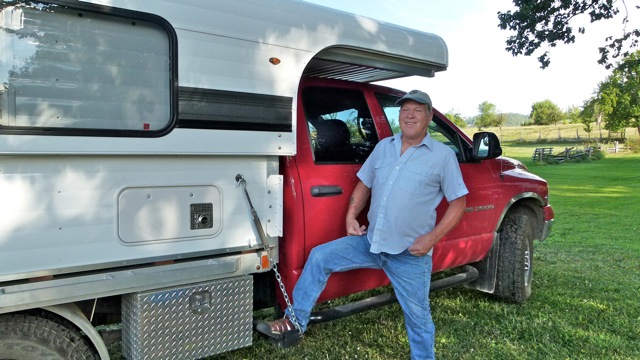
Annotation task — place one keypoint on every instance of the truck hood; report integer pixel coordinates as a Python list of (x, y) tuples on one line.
[(515, 168), (508, 163)]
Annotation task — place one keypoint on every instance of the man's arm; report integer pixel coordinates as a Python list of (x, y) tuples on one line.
[(358, 200), (452, 216)]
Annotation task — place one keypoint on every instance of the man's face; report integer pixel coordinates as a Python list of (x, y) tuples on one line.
[(414, 120)]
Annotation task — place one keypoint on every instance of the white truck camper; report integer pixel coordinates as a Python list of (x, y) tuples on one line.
[(140, 151)]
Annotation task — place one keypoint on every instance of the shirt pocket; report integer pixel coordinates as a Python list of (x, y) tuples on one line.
[(417, 180), (383, 169)]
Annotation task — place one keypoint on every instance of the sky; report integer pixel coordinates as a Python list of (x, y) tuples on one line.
[(480, 69)]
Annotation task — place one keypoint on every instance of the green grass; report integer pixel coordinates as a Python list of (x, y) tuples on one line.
[(585, 303), (587, 276)]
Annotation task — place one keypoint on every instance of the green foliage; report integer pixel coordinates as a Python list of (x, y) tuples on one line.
[(456, 118), (488, 116), (598, 155), (619, 95), (547, 23), (546, 113), (514, 119), (573, 114), (510, 119), (590, 113)]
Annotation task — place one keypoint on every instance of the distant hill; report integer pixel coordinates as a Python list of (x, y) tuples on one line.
[(513, 119)]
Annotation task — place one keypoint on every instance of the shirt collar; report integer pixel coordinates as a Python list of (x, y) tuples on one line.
[(427, 141)]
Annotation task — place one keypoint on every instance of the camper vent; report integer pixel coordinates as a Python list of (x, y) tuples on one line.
[(344, 71)]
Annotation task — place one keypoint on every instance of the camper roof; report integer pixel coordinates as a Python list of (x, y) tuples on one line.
[(321, 41)]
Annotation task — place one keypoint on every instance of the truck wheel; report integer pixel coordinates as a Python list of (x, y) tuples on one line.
[(515, 258), (34, 337)]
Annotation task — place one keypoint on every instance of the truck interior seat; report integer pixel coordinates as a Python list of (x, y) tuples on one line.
[(333, 141)]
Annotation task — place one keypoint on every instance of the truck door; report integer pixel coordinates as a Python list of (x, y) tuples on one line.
[(336, 133)]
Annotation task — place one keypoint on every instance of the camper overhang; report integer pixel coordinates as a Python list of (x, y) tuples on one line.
[(366, 66)]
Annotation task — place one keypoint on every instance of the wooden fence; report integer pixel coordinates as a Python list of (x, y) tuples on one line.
[(564, 133)]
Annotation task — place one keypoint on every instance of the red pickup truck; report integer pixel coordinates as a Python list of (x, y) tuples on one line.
[(339, 123)]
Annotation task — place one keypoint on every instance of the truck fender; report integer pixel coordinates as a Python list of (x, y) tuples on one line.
[(72, 313), (488, 266), (529, 200)]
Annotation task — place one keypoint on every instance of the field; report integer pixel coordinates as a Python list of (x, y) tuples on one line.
[(564, 133), (586, 284)]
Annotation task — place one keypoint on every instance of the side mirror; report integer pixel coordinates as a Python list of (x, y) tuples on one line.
[(486, 145)]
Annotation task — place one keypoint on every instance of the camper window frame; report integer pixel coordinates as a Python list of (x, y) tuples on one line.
[(129, 15)]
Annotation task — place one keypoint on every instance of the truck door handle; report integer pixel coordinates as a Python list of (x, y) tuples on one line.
[(322, 191)]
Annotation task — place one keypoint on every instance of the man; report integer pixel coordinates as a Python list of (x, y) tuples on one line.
[(406, 177)]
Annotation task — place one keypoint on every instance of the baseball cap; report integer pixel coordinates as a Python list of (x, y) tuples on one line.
[(416, 95)]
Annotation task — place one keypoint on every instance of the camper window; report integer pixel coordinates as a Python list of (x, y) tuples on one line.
[(76, 71)]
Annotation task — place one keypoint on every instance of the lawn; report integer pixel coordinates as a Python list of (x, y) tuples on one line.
[(587, 276), (586, 285)]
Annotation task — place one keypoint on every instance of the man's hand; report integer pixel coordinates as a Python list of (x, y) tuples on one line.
[(354, 228), (423, 245), (357, 202)]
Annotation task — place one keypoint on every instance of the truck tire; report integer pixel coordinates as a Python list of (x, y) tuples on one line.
[(515, 258), (40, 337)]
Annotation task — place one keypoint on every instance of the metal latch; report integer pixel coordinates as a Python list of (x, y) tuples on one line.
[(200, 302)]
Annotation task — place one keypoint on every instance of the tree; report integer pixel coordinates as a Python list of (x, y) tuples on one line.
[(573, 114), (488, 116), (591, 112), (619, 95), (456, 118), (546, 113), (539, 22)]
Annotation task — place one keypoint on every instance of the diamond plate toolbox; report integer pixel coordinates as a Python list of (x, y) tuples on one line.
[(188, 322)]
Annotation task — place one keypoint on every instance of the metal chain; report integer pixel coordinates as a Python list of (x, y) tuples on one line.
[(293, 319), (265, 244)]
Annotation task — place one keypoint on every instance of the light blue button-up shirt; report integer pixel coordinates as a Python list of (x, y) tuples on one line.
[(405, 190)]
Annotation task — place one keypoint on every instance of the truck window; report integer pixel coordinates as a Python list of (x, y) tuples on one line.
[(74, 71), (340, 125), (438, 129)]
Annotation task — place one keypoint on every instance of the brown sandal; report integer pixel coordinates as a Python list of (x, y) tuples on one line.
[(282, 332)]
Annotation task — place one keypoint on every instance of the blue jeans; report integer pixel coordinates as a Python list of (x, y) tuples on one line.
[(410, 276)]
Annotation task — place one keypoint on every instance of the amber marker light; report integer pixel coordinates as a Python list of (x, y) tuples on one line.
[(264, 261), (274, 61)]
